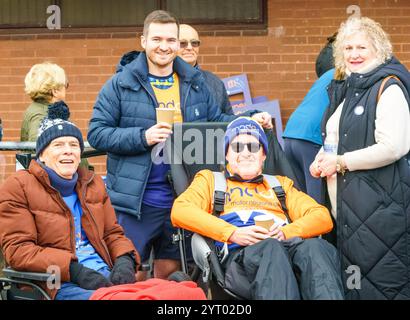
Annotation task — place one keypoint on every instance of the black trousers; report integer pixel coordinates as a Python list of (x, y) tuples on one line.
[(287, 270)]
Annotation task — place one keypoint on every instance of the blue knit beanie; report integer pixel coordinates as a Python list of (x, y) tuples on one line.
[(55, 125), (245, 125)]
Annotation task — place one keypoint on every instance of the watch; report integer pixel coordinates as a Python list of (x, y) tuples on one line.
[(339, 165)]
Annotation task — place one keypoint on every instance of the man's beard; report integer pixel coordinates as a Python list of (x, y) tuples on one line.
[(161, 65)]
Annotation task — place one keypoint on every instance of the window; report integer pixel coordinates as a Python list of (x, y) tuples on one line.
[(217, 11), (129, 13)]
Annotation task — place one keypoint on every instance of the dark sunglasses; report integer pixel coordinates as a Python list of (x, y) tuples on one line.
[(253, 147), (194, 43), (67, 84)]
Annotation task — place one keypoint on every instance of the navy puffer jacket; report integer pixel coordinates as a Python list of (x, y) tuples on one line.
[(125, 109)]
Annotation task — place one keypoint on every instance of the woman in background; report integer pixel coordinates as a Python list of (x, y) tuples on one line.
[(45, 83)]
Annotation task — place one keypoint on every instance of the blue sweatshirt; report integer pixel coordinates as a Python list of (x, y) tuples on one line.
[(305, 121)]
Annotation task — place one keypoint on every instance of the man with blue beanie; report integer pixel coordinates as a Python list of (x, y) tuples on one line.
[(283, 261), (57, 215)]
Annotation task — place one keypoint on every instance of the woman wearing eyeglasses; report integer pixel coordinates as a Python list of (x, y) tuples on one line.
[(45, 83)]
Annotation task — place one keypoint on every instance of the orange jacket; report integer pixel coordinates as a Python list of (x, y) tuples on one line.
[(37, 227), (192, 210)]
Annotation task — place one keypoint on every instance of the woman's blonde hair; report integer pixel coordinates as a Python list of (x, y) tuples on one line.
[(42, 79), (378, 38)]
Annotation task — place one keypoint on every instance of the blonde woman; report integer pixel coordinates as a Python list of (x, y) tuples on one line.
[(45, 83), (365, 162)]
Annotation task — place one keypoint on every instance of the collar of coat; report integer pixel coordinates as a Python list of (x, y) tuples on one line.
[(238, 178), (138, 68)]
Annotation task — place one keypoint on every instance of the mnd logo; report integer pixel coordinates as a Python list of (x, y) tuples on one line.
[(193, 146)]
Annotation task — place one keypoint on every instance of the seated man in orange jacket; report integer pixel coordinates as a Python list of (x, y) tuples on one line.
[(284, 262)]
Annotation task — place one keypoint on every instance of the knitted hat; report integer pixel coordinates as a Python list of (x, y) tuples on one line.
[(245, 125), (55, 125)]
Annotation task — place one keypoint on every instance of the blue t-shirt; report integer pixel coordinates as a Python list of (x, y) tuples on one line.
[(85, 252), (305, 121)]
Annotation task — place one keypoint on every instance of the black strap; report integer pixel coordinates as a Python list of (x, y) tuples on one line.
[(281, 195), (219, 202)]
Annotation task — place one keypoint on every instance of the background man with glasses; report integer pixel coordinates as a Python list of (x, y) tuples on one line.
[(189, 44), (261, 262)]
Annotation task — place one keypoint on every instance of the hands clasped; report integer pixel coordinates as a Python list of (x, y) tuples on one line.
[(87, 278), (324, 165)]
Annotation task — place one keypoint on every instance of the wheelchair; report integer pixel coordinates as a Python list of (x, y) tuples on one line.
[(22, 285), (19, 285), (208, 270)]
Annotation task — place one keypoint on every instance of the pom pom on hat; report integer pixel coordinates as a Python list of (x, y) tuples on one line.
[(55, 125), (58, 110)]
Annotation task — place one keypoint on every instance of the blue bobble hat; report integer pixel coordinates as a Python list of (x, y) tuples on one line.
[(56, 125), (245, 125)]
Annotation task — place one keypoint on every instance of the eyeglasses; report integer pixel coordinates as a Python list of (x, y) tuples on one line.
[(194, 43), (67, 84), (253, 147)]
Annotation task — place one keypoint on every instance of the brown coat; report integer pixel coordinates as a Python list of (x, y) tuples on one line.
[(37, 227)]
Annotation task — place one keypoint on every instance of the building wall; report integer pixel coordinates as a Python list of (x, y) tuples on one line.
[(279, 61)]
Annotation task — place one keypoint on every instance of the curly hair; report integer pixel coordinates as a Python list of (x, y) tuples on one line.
[(42, 79), (378, 38)]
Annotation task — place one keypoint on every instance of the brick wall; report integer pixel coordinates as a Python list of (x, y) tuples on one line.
[(279, 61)]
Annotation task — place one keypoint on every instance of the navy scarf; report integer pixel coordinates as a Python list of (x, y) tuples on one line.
[(65, 186)]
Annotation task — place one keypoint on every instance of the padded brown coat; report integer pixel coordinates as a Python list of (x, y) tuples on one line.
[(37, 227)]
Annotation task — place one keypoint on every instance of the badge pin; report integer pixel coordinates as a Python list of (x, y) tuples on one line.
[(359, 110)]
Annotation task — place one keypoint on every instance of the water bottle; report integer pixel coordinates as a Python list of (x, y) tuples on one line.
[(330, 145)]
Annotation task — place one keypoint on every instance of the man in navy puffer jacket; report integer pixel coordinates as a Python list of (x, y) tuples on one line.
[(124, 125)]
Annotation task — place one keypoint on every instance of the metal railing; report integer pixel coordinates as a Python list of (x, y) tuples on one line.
[(29, 148)]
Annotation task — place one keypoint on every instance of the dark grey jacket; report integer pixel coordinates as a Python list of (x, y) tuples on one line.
[(373, 206)]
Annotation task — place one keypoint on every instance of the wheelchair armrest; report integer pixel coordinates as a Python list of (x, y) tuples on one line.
[(36, 276)]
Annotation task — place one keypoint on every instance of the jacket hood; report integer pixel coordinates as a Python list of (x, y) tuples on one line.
[(134, 65), (126, 59)]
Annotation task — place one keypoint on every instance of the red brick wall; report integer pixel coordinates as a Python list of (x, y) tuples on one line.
[(279, 61)]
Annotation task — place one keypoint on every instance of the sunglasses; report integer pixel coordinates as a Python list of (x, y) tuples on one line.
[(253, 147), (194, 43)]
